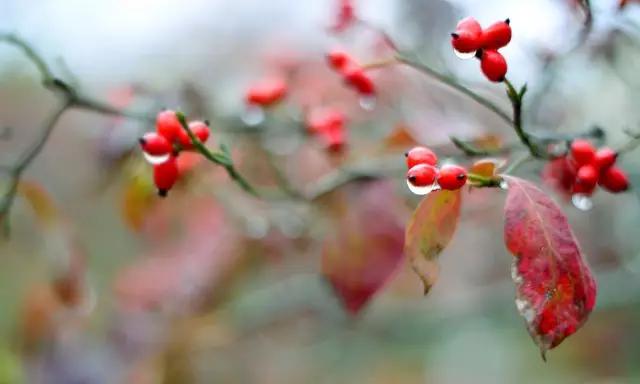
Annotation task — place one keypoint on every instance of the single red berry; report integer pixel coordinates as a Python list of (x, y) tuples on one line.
[(201, 130), (267, 92), (345, 17), (582, 152), (356, 77), (338, 59), (604, 158), (422, 175), (325, 119), (614, 180), (497, 35), (165, 175), (155, 144), (452, 177), (493, 65), (467, 36), (420, 155), (334, 140), (582, 189), (168, 125), (587, 176)]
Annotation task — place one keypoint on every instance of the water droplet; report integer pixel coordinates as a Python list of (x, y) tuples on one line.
[(515, 274), (155, 160), (464, 56), (582, 202), (421, 191), (368, 102), (504, 185), (253, 115)]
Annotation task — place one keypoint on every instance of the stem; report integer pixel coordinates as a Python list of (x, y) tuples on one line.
[(380, 63), (452, 83), (15, 172), (471, 150), (631, 144), (221, 158)]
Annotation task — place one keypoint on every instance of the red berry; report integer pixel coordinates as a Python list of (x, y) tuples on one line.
[(587, 176), (155, 144), (334, 140), (493, 65), (582, 189), (497, 35), (452, 177), (168, 125), (165, 175), (356, 77), (468, 36), (267, 92), (346, 16), (338, 59), (614, 180), (604, 158), (582, 152), (420, 155), (201, 130), (325, 119), (422, 175)]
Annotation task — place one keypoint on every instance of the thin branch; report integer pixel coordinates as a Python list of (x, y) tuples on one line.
[(222, 158), (15, 171), (452, 83), (630, 145)]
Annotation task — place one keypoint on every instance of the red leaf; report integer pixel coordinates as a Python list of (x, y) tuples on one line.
[(555, 288), (366, 247), (431, 228)]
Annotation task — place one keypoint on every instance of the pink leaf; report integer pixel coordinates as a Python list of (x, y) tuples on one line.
[(366, 247), (555, 288)]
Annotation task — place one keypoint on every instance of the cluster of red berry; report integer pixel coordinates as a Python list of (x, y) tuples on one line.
[(589, 167), (423, 172), (266, 92), (469, 37), (353, 74), (165, 144), (329, 125)]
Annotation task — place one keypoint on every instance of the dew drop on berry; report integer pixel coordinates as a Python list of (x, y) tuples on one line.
[(582, 202), (421, 191), (464, 55), (155, 160), (504, 185), (253, 115), (368, 102)]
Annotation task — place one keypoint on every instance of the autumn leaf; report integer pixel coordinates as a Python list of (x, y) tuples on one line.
[(429, 232), (556, 290), (365, 248), (487, 167)]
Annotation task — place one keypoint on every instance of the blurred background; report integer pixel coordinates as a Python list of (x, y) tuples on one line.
[(104, 282)]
